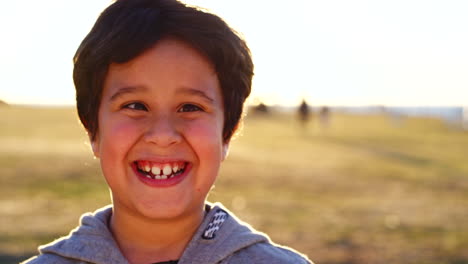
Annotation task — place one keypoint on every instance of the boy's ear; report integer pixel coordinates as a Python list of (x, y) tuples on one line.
[(226, 144), (225, 151), (94, 147), (94, 144)]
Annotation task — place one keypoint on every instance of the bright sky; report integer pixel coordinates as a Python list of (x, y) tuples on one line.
[(336, 52)]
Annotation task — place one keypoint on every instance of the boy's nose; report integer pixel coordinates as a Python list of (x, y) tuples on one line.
[(162, 131)]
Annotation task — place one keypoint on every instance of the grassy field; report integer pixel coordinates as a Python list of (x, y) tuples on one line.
[(364, 190)]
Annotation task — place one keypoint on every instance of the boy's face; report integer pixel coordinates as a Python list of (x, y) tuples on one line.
[(160, 131)]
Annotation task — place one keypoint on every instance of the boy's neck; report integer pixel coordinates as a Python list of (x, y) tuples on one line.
[(143, 240)]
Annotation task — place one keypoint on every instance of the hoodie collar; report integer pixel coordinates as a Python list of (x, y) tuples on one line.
[(91, 242), (219, 236)]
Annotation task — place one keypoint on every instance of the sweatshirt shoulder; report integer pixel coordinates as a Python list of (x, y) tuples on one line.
[(49, 259), (267, 253)]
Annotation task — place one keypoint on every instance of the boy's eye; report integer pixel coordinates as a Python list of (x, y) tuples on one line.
[(136, 106), (190, 108)]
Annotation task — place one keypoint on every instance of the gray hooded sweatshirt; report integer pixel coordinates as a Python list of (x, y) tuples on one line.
[(221, 238)]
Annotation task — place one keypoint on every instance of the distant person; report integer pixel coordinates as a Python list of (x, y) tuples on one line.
[(304, 113), (160, 89), (261, 109), (324, 116)]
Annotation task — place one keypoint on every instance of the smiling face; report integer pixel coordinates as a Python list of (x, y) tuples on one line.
[(159, 139)]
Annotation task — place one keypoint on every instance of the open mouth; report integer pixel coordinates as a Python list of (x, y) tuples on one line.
[(160, 171)]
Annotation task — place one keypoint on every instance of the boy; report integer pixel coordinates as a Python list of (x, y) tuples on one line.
[(160, 88)]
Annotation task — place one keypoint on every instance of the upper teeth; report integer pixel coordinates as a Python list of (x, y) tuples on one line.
[(160, 171), (155, 170), (167, 170)]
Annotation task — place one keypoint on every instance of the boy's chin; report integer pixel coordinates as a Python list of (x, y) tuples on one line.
[(166, 210)]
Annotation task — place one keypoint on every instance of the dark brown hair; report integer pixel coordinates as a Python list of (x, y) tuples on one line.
[(127, 28)]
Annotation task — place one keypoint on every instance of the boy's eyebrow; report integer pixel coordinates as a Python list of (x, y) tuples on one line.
[(196, 92), (185, 90), (125, 90)]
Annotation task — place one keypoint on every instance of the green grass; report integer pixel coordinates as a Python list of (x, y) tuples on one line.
[(363, 190)]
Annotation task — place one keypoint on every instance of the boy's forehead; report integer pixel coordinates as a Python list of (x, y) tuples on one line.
[(167, 49), (193, 72), (164, 46)]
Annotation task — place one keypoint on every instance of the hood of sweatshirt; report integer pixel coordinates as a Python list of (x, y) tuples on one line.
[(220, 235), (90, 242)]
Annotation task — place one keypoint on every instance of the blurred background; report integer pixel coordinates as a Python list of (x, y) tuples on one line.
[(354, 149)]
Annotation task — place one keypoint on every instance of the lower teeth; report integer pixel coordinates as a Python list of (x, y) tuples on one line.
[(159, 177)]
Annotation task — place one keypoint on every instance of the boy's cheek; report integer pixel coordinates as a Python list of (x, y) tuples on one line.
[(111, 136), (209, 135)]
